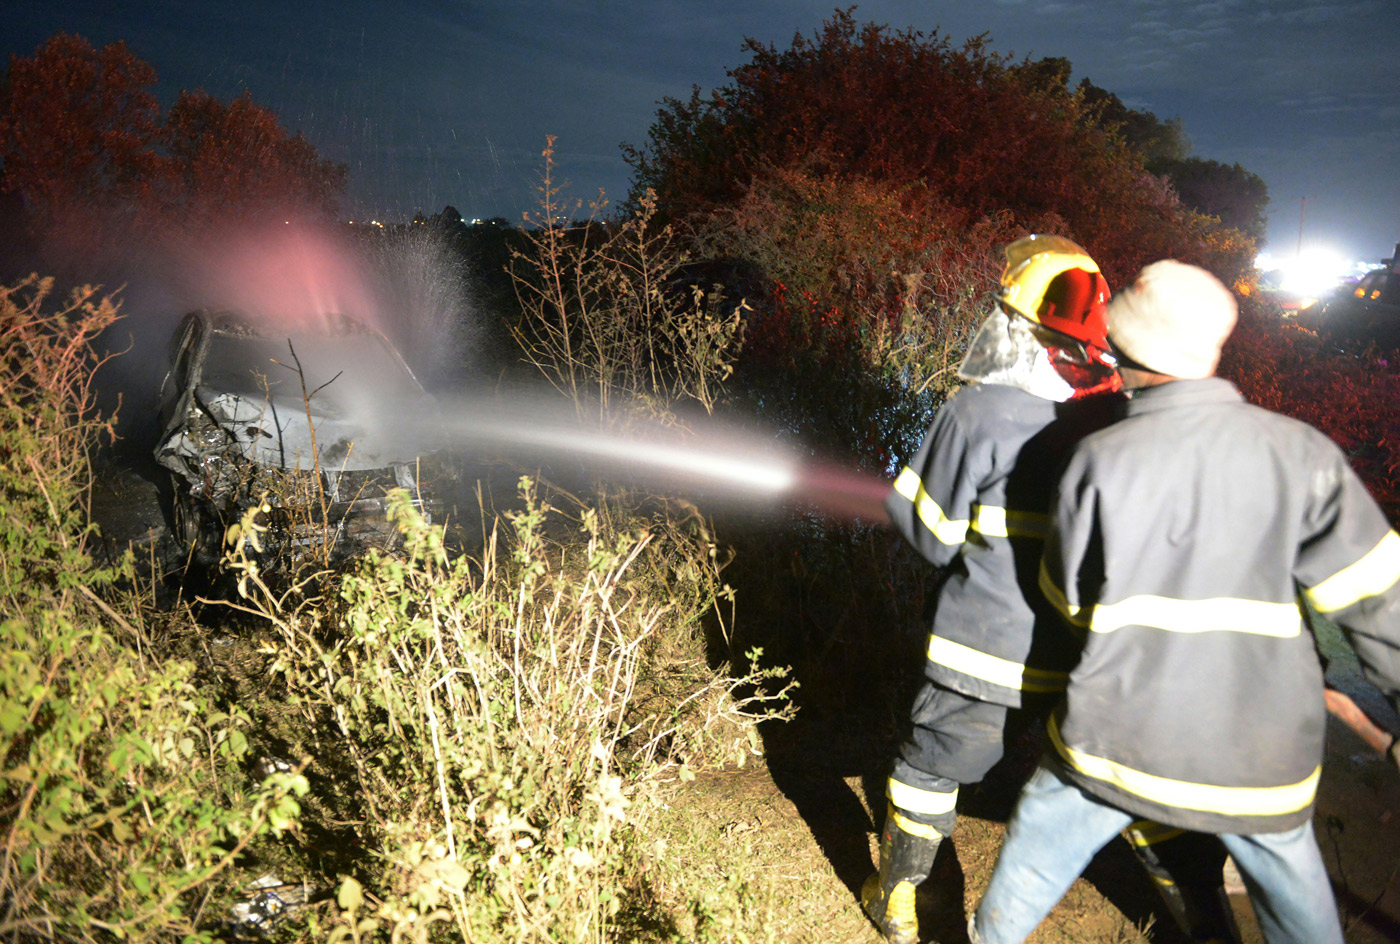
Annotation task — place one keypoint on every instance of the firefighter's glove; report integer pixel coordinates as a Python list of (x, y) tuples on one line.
[(1394, 751)]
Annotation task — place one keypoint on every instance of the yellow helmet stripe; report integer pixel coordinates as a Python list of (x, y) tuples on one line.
[(1373, 574), (1184, 795)]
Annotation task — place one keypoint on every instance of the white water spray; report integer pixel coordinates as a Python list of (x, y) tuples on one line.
[(711, 458)]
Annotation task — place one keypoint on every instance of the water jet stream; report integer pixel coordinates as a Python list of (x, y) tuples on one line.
[(713, 459)]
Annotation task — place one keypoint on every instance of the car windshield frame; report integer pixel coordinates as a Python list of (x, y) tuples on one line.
[(342, 367)]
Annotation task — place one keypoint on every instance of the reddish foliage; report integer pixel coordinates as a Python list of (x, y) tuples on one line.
[(76, 125), (83, 142), (964, 133), (1350, 397), (236, 158), (797, 336)]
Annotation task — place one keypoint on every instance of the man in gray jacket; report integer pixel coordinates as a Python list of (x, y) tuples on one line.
[(1181, 539)]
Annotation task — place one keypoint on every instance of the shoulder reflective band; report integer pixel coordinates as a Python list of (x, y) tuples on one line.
[(1373, 574), (1183, 795), (947, 530), (1218, 614), (915, 800), (989, 668)]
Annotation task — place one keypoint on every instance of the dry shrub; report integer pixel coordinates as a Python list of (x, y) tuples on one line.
[(608, 318), (492, 728), (505, 717)]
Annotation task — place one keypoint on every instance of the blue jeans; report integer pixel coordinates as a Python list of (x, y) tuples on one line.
[(1057, 828)]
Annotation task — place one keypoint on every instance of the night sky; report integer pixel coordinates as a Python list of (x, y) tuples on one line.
[(450, 103)]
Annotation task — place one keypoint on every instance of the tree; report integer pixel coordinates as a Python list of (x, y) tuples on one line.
[(1157, 142), (874, 176), (76, 128), (84, 144), (1230, 193), (236, 160), (1227, 191), (969, 132)]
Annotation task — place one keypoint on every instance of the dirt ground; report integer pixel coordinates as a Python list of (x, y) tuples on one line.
[(806, 819)]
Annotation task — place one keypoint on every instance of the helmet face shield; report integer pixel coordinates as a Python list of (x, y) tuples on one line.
[(1027, 247), (1075, 303), (1005, 350)]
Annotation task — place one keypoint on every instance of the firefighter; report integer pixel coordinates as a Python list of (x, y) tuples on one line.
[(1182, 537), (975, 501)]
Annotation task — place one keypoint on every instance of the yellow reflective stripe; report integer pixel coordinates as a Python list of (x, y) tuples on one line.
[(922, 830), (997, 522), (1058, 600), (920, 801), (1144, 832), (1373, 574), (908, 485), (990, 668), (989, 520), (1184, 795), (1222, 614)]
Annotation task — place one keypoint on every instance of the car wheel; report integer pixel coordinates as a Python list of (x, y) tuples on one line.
[(188, 521)]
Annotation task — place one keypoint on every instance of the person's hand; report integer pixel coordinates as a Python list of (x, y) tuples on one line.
[(1394, 752)]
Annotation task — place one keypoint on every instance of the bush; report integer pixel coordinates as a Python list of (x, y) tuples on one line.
[(855, 342), (502, 718), (126, 805), (1348, 396), (492, 728), (961, 131)]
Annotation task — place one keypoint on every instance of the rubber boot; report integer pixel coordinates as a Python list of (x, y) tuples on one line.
[(1201, 910), (906, 855), (1187, 869)]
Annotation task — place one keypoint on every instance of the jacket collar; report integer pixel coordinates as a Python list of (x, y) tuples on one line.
[(1183, 393)]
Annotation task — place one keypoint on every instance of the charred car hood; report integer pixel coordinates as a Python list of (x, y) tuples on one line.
[(274, 432)]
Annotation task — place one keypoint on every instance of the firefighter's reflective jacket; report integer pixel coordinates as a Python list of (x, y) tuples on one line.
[(1182, 538), (976, 499)]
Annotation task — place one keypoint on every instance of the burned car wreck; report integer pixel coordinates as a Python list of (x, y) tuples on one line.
[(312, 422)]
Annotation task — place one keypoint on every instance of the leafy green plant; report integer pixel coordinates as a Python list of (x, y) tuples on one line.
[(46, 364)]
